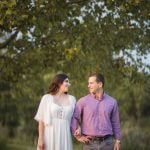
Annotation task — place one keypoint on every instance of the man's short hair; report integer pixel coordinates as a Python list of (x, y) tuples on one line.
[(99, 77)]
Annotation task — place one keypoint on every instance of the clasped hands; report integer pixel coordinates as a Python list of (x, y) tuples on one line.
[(82, 138), (86, 139)]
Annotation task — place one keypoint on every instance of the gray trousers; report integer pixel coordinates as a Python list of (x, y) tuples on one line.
[(107, 144)]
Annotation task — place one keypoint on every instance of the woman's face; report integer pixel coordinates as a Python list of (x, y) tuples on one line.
[(64, 87)]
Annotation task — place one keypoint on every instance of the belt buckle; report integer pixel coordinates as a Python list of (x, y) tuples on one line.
[(103, 138), (99, 138)]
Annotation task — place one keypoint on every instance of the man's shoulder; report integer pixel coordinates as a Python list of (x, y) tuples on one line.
[(110, 98), (83, 99)]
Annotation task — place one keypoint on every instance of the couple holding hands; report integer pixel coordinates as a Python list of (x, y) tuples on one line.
[(93, 120)]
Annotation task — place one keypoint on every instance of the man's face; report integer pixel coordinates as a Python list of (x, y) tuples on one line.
[(93, 85)]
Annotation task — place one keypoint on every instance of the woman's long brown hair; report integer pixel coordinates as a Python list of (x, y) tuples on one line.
[(56, 82)]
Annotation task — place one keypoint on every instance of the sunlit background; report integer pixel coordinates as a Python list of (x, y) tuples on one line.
[(39, 38)]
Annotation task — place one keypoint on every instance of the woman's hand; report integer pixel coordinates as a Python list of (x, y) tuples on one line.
[(40, 144), (77, 132), (84, 139)]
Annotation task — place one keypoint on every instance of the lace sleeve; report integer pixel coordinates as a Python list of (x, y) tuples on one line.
[(43, 113)]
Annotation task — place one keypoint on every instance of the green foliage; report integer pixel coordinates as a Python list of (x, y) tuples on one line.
[(3, 144), (41, 38), (135, 137), (145, 105), (3, 138)]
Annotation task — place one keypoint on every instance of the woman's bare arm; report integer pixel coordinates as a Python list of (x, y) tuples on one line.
[(41, 127)]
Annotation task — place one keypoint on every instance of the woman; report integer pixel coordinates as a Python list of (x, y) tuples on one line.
[(54, 116)]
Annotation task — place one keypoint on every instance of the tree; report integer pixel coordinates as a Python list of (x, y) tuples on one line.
[(44, 37)]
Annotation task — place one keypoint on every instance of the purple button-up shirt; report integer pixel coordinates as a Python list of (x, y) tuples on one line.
[(97, 117)]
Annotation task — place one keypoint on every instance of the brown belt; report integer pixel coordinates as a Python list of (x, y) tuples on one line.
[(101, 138)]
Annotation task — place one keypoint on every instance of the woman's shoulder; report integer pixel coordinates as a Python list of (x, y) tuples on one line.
[(46, 97), (71, 96), (73, 99)]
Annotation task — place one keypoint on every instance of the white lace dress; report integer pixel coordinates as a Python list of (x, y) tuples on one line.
[(57, 135)]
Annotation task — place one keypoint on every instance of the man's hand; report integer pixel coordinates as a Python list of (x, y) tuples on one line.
[(117, 145), (83, 139)]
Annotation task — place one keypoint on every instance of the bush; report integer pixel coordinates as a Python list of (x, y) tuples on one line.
[(3, 139), (135, 137)]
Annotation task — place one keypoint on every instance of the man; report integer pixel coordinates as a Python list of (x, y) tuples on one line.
[(97, 115)]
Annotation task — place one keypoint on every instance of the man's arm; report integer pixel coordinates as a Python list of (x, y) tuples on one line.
[(76, 117), (116, 126), (76, 123)]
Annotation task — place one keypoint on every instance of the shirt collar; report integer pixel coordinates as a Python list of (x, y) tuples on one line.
[(101, 98)]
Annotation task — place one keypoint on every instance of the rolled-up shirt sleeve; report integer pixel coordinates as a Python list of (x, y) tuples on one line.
[(76, 116), (116, 122)]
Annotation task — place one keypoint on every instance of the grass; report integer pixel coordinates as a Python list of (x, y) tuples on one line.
[(17, 144), (135, 136), (25, 147)]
